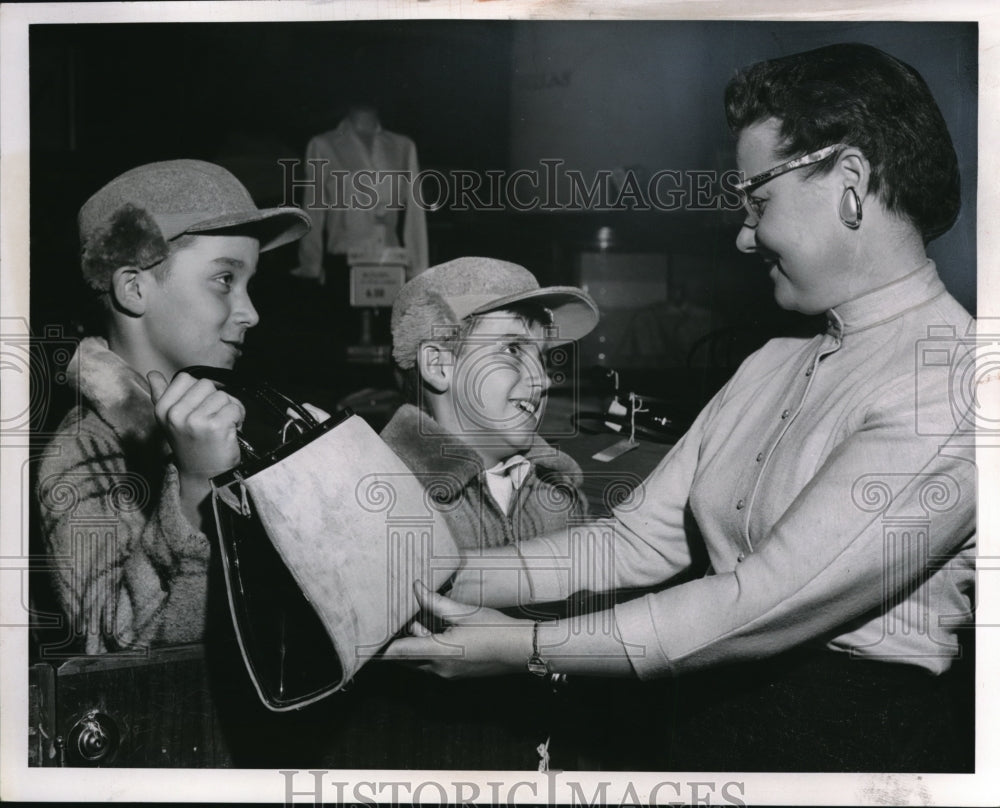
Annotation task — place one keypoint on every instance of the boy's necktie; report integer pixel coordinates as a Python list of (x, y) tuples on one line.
[(505, 478)]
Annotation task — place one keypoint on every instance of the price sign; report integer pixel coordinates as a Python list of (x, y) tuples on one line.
[(376, 285)]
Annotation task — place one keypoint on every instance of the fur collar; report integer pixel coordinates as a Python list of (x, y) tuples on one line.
[(118, 394), (427, 448)]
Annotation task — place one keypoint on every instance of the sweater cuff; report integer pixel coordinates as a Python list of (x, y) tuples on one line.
[(546, 570), (637, 630), (183, 538)]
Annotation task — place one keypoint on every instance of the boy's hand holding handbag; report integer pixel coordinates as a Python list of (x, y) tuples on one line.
[(322, 537)]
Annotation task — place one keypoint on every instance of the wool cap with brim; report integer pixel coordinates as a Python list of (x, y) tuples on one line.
[(130, 220), (448, 293)]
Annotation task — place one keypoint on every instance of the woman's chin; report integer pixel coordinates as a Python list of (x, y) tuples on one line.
[(784, 295)]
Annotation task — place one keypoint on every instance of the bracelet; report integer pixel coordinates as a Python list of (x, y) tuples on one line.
[(536, 665)]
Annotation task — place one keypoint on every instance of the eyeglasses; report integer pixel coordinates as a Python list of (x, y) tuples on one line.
[(755, 207)]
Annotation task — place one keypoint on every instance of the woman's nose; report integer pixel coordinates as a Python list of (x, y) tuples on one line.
[(746, 239)]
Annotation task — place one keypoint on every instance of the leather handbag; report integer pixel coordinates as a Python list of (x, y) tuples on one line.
[(322, 536)]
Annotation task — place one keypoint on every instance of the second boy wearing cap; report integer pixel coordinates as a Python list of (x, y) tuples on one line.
[(470, 337), (170, 249)]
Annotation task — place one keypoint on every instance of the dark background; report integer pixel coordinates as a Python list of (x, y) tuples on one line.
[(473, 96)]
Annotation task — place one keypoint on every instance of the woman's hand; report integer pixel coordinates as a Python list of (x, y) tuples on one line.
[(484, 642)]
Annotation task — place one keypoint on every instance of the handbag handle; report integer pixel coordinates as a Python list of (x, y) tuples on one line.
[(244, 387)]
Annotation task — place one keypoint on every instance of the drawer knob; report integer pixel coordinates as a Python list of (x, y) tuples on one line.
[(94, 739)]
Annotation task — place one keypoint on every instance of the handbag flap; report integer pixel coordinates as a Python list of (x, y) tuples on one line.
[(355, 528)]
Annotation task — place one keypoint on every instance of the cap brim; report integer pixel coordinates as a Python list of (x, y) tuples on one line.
[(272, 227), (574, 313)]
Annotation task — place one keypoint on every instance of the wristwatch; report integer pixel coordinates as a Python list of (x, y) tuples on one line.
[(536, 665)]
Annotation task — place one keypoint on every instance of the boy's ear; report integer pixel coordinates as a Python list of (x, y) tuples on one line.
[(128, 290), (436, 364)]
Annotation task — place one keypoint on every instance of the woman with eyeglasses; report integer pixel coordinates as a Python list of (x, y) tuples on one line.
[(820, 512)]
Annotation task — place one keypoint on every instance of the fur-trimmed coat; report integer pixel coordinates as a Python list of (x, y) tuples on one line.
[(549, 497), (129, 570)]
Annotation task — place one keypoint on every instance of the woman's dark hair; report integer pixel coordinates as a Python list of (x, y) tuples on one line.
[(860, 96)]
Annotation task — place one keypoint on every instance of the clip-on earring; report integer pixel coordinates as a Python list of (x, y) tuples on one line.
[(850, 209)]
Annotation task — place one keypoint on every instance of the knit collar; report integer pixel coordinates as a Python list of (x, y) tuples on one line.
[(886, 303), (117, 393), (428, 449)]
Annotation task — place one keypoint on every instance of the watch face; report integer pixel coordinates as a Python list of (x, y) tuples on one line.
[(537, 666)]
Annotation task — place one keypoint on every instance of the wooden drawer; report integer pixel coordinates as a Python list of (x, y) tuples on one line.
[(154, 710)]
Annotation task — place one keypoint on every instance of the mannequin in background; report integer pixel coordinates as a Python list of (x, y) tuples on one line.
[(349, 220)]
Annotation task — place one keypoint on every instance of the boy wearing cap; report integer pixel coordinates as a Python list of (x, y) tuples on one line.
[(170, 249), (469, 336)]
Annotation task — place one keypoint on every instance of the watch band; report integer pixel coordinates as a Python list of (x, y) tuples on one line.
[(536, 665)]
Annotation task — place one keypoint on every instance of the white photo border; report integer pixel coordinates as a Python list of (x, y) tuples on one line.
[(18, 782)]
